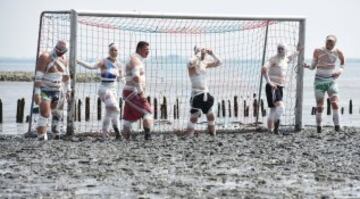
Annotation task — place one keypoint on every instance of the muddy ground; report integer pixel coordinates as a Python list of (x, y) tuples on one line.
[(232, 165)]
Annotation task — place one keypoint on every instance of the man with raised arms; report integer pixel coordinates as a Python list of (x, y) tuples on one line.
[(201, 100)]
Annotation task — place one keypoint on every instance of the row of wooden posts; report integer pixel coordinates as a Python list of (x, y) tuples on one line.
[(328, 108), (163, 114), (221, 111)]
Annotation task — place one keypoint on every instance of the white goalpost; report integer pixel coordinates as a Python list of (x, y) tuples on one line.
[(243, 44)]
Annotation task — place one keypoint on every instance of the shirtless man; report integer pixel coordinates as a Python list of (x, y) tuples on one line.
[(136, 104), (52, 73), (324, 61), (110, 71), (201, 101), (274, 72)]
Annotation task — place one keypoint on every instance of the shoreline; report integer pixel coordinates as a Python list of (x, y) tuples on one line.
[(23, 76)]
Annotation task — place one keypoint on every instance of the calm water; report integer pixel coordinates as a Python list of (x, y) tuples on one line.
[(348, 84)]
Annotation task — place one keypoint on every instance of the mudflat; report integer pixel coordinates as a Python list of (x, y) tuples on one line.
[(231, 165)]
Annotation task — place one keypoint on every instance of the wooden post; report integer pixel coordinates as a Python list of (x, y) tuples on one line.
[(76, 116), (165, 108), (1, 112), (229, 104), (177, 108), (235, 106), (98, 109), (263, 110), (155, 108), (328, 112), (174, 111), (246, 109), (149, 99), (121, 107), (223, 108), (218, 111), (313, 111), (79, 110), (87, 108), (18, 111), (255, 108), (21, 110), (350, 107)]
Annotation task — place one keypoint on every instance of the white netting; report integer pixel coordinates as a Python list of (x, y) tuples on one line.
[(239, 43)]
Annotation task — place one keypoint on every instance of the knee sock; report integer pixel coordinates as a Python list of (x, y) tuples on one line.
[(106, 122), (336, 117), (115, 118), (318, 118), (278, 112)]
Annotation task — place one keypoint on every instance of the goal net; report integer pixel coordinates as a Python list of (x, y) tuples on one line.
[(242, 43)]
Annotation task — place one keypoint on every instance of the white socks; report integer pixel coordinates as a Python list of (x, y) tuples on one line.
[(318, 118), (272, 114), (279, 110), (106, 122), (115, 118), (336, 117)]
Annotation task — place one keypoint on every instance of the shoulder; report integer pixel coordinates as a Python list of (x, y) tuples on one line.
[(273, 59), (338, 51), (317, 51), (45, 56)]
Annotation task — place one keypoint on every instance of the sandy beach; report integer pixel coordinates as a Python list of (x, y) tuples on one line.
[(231, 165)]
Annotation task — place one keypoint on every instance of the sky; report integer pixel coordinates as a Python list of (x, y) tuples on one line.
[(19, 19)]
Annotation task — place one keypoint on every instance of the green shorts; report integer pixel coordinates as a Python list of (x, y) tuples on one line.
[(322, 85)]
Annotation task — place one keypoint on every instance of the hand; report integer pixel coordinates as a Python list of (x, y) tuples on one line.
[(142, 95), (299, 48), (37, 99), (68, 95), (336, 75), (273, 86), (306, 65)]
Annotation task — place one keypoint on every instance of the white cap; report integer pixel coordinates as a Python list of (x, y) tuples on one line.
[(331, 37), (281, 44), (113, 45), (197, 49)]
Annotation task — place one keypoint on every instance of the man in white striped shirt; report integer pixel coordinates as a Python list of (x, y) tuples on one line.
[(324, 61), (274, 72), (110, 72), (51, 78)]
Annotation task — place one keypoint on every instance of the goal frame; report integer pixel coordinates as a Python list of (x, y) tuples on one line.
[(70, 128)]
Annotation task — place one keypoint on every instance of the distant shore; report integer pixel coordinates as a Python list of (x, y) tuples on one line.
[(29, 76)]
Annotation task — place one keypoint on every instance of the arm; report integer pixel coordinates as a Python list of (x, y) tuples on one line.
[(67, 81), (314, 61), (192, 62), (40, 71), (296, 53), (342, 64), (264, 72), (135, 71), (89, 66), (216, 62), (121, 75)]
